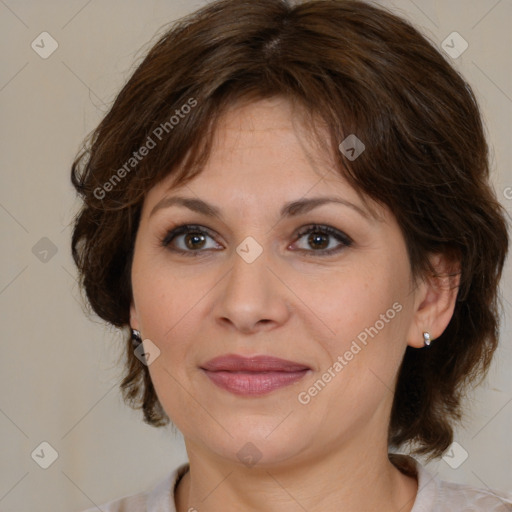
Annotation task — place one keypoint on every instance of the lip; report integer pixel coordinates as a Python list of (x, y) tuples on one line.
[(252, 376), (236, 363)]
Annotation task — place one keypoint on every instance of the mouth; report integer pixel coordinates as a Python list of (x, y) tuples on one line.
[(252, 376)]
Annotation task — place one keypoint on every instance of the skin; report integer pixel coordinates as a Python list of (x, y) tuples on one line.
[(291, 302)]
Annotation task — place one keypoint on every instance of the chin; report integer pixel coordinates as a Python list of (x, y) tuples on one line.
[(261, 445)]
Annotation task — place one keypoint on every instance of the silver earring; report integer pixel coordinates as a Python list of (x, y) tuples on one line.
[(136, 338), (426, 339)]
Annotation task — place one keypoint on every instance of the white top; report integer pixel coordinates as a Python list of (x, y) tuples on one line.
[(434, 495)]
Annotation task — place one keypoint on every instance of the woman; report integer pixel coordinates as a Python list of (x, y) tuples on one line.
[(289, 209)]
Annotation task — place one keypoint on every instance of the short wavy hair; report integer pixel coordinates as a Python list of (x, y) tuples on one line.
[(356, 69)]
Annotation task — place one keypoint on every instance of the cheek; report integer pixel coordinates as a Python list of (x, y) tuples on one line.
[(353, 300), (364, 354), (367, 311), (159, 296), (173, 306), (167, 308)]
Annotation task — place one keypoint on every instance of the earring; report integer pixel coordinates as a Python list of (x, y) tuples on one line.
[(136, 338), (426, 339)]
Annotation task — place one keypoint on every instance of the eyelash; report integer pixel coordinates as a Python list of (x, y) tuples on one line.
[(345, 241)]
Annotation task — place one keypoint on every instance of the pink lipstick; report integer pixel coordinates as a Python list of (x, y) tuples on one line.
[(256, 375)]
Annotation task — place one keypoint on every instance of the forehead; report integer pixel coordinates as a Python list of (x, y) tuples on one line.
[(264, 149)]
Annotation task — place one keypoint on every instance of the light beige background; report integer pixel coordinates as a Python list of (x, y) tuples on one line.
[(58, 373)]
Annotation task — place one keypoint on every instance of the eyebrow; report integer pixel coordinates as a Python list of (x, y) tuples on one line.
[(290, 209)]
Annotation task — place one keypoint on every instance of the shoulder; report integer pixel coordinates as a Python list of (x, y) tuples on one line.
[(158, 499), (125, 504), (436, 495), (474, 498)]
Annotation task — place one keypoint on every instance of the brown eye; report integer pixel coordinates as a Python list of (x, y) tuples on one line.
[(318, 240), (189, 239), (323, 240), (194, 240)]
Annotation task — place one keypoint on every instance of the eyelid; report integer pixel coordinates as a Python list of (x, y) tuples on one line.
[(343, 239), (183, 229), (324, 228)]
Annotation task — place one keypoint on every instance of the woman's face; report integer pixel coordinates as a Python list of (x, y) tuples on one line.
[(256, 280)]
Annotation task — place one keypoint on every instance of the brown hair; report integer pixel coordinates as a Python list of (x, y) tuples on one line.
[(361, 70)]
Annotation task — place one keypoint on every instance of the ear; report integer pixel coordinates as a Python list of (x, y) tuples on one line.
[(436, 295), (134, 319)]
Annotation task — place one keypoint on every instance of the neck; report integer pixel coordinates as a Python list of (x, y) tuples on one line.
[(351, 482)]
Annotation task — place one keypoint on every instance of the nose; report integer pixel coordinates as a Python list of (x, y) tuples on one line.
[(252, 298)]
